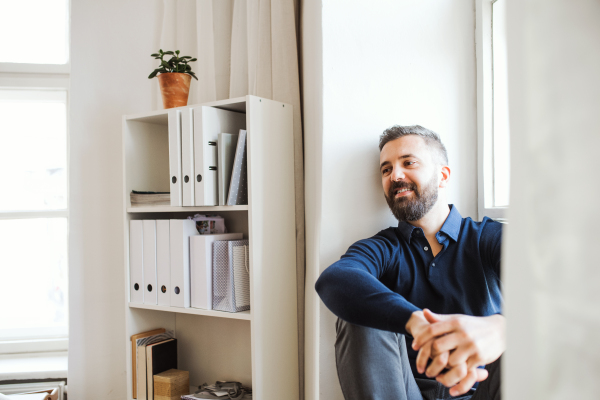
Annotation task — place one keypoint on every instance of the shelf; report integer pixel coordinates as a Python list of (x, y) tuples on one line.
[(196, 311), (152, 209), (160, 117)]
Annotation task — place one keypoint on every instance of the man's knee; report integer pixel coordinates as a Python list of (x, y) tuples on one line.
[(361, 338)]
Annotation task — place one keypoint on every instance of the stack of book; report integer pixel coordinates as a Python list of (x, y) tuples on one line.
[(139, 199), (152, 352)]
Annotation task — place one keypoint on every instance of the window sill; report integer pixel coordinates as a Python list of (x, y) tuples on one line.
[(33, 366)]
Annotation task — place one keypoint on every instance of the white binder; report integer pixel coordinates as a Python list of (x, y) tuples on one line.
[(163, 263), (208, 123), (225, 155), (201, 267), (175, 157), (136, 271), (180, 231), (187, 156), (149, 261)]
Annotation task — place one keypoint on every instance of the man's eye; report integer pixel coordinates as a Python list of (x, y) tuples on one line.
[(385, 171), (409, 162)]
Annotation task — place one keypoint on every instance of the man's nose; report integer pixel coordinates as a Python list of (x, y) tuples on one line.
[(397, 174)]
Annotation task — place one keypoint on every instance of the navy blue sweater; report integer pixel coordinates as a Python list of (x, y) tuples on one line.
[(382, 280)]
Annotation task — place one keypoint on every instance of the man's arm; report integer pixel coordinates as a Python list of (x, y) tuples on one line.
[(352, 290), (461, 343)]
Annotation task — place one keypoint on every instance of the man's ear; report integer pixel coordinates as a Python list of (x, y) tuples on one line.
[(445, 172)]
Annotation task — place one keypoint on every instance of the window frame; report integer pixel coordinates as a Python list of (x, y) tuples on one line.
[(20, 76), (485, 112)]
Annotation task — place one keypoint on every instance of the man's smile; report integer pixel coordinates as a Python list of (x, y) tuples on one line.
[(400, 192)]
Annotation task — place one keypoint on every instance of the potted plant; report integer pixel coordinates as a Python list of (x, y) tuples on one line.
[(174, 77)]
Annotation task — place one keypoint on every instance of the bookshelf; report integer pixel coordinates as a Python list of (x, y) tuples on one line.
[(258, 348)]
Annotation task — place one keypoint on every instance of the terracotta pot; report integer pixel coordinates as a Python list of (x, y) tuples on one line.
[(175, 89)]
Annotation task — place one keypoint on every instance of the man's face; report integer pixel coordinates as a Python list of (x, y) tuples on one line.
[(409, 176)]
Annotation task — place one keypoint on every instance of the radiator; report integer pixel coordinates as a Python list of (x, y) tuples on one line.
[(32, 387)]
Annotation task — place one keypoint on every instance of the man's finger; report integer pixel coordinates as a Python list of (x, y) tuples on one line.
[(452, 377), (462, 354), (474, 361), (482, 374), (465, 384), (447, 343), (422, 337), (432, 317), (423, 357), (437, 365)]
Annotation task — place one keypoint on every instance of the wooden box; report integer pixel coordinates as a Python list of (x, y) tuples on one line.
[(171, 384)]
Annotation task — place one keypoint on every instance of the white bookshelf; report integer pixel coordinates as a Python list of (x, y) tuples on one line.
[(256, 347)]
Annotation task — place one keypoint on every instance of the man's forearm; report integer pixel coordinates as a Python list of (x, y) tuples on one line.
[(359, 298)]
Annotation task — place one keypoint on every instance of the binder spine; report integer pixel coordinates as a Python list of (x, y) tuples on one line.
[(187, 156), (175, 157), (199, 173), (149, 261), (163, 263), (136, 256)]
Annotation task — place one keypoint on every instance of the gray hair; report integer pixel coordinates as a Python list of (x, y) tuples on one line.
[(431, 138)]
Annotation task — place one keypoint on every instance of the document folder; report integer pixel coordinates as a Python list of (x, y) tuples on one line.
[(175, 157), (149, 261), (201, 267), (231, 276), (187, 156), (136, 256), (208, 123), (163, 263), (180, 231)]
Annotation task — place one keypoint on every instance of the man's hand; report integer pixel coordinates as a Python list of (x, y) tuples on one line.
[(470, 342), (419, 326)]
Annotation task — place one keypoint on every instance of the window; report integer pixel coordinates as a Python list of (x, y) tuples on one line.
[(492, 109), (34, 93)]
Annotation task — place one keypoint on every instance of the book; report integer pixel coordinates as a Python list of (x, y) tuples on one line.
[(226, 147), (141, 343), (134, 339), (139, 198), (160, 357), (238, 187)]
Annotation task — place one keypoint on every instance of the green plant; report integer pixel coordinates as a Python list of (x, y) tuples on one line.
[(175, 64)]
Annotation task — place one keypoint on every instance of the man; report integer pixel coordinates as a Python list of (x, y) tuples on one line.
[(389, 344)]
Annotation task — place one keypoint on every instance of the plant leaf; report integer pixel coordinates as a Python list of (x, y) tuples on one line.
[(155, 55), (177, 52), (193, 59), (160, 51), (153, 74), (170, 53), (165, 64)]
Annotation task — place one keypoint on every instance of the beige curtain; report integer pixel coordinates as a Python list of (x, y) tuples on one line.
[(246, 47)]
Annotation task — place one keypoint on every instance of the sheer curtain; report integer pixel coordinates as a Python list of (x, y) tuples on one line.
[(245, 47)]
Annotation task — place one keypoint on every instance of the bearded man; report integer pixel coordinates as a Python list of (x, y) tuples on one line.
[(418, 305)]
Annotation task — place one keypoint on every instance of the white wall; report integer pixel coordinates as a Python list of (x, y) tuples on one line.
[(373, 65), (111, 43), (551, 271)]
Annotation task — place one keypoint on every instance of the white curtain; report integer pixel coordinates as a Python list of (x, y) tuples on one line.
[(245, 47)]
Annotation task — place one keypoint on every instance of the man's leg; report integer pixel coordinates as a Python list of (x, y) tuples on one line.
[(490, 388), (373, 364)]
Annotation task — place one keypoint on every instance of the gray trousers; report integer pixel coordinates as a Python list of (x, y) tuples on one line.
[(373, 365)]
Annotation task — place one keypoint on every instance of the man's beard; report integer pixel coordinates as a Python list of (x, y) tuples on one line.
[(405, 209)]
